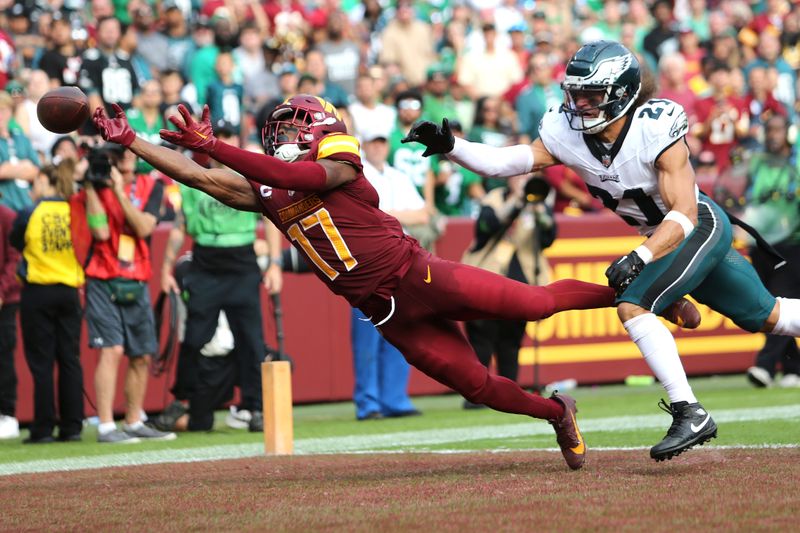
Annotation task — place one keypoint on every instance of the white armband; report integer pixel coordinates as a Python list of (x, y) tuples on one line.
[(490, 161), (644, 254), (683, 220)]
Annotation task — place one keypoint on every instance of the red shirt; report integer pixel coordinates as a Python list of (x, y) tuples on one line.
[(9, 257), (7, 52), (356, 249), (107, 260), (720, 137)]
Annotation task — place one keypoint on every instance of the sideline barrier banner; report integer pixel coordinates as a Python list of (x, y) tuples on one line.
[(592, 346), (589, 346)]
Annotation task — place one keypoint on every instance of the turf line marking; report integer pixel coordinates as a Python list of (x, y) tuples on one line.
[(408, 441), (507, 431), (706, 447)]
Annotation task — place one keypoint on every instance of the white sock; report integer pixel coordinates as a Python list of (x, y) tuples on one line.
[(136, 425), (661, 353), (106, 427), (788, 318)]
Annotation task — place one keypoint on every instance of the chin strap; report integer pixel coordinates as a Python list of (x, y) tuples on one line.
[(290, 152)]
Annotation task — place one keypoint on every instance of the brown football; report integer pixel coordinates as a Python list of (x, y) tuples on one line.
[(63, 110)]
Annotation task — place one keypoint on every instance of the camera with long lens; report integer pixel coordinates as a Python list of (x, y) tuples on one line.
[(101, 158)]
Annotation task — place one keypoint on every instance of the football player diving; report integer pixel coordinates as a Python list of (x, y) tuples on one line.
[(630, 150), (310, 184)]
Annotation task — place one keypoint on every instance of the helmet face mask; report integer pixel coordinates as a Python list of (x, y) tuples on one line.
[(602, 82), (295, 124)]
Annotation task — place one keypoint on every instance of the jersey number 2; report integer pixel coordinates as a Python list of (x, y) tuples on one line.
[(322, 218), (643, 201)]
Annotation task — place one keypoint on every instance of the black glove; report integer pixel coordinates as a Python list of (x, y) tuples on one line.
[(623, 271), (437, 140)]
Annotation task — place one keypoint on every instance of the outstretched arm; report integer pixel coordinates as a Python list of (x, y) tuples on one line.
[(226, 186), (489, 161), (271, 171)]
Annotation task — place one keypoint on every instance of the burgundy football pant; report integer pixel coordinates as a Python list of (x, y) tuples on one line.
[(435, 293)]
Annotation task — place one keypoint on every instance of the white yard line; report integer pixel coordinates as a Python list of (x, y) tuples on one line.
[(405, 441)]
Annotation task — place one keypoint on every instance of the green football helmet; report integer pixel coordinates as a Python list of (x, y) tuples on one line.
[(602, 81)]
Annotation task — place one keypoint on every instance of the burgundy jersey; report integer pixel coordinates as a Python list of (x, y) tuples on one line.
[(354, 247)]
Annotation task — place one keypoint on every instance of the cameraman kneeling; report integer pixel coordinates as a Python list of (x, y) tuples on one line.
[(121, 211)]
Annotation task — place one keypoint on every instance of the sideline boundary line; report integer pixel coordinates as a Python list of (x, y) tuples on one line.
[(400, 442)]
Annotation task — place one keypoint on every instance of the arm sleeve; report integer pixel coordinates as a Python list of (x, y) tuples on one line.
[(271, 171)]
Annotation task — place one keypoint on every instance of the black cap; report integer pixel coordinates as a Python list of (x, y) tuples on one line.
[(307, 77), (18, 10), (223, 127)]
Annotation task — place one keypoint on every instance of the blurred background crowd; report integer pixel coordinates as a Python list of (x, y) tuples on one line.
[(492, 67)]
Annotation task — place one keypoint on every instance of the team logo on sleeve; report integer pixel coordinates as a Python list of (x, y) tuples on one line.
[(680, 126)]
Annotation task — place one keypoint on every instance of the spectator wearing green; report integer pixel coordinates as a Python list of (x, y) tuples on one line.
[(147, 119), (223, 276), (202, 59), (407, 158), (437, 102), (489, 128), (19, 163), (225, 97), (458, 191), (541, 94), (610, 23)]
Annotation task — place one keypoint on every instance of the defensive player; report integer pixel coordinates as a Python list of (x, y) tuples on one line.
[(629, 149), (312, 187)]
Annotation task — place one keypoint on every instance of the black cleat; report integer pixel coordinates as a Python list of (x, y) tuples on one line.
[(166, 421), (691, 426), (256, 424)]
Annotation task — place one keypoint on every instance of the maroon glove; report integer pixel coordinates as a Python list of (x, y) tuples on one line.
[(116, 130), (196, 136)]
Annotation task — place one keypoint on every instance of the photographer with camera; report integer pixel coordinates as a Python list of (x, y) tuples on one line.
[(514, 225), (121, 212)]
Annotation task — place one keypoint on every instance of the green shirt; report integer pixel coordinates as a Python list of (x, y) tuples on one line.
[(774, 205), (435, 108), (452, 198), (201, 70), (492, 137), (15, 193), (407, 158), (147, 132), (212, 223)]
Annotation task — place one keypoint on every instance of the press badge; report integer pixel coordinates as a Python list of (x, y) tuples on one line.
[(126, 250)]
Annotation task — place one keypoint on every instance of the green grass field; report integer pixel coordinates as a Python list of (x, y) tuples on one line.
[(610, 417)]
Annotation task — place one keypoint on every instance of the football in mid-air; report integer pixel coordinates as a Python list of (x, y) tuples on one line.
[(63, 110)]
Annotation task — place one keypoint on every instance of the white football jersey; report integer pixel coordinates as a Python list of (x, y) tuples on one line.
[(624, 175)]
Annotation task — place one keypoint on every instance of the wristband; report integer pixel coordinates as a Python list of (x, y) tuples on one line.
[(276, 261), (683, 220), (97, 221), (644, 254)]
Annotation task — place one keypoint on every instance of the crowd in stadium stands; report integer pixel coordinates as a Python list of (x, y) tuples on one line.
[(493, 67)]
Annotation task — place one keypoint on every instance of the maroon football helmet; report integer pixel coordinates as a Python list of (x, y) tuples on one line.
[(311, 117)]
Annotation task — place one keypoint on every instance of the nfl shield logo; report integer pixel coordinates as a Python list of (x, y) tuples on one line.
[(606, 160)]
